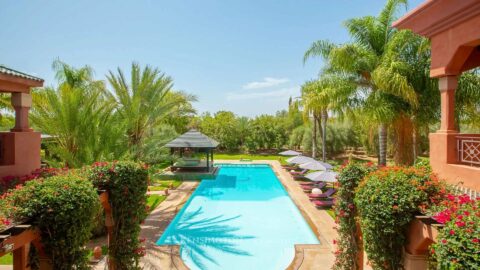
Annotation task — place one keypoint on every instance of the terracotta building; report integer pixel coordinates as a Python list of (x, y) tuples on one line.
[(453, 28), (20, 147)]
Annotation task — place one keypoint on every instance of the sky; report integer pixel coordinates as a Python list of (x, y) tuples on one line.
[(244, 56)]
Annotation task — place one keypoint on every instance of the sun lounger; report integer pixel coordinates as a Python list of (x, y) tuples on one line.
[(324, 204), (302, 172), (308, 189), (314, 185), (325, 195), (300, 178)]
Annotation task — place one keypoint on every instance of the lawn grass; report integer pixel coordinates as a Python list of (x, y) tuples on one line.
[(331, 213), (238, 156), (7, 259), (282, 159), (160, 185), (154, 200)]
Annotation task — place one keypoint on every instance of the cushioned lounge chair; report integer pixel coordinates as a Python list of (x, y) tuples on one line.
[(300, 178), (324, 204), (325, 195), (313, 185), (302, 172)]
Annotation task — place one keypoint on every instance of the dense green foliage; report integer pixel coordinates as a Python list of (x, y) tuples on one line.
[(458, 242), (90, 123), (63, 208), (126, 184), (379, 78), (387, 201)]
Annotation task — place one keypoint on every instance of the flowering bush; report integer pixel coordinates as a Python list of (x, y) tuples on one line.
[(126, 184), (62, 208), (458, 245), (387, 201), (5, 211), (348, 245), (9, 182)]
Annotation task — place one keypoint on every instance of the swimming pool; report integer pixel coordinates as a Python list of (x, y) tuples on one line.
[(243, 219)]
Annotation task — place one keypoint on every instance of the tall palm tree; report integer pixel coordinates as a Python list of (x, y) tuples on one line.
[(143, 103), (359, 61)]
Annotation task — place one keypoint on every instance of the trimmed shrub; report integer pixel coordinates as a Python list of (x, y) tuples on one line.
[(126, 184), (348, 246), (62, 208), (387, 201), (458, 245)]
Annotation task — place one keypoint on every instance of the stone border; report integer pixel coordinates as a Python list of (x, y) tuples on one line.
[(306, 256), (321, 223)]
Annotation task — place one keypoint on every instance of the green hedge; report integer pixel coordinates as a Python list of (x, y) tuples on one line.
[(126, 184), (63, 208)]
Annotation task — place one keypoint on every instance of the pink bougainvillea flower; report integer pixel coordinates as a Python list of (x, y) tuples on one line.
[(443, 217), (463, 199), (451, 197)]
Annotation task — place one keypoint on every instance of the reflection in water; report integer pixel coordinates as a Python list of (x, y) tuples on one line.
[(197, 235)]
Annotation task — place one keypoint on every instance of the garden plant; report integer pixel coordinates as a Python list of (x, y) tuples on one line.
[(387, 201)]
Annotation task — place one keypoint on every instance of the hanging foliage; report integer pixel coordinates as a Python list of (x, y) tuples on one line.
[(126, 184), (348, 244)]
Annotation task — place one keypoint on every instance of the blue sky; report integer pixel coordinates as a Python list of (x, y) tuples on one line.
[(243, 56)]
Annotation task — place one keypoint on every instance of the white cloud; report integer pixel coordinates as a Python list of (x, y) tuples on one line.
[(283, 93), (266, 83)]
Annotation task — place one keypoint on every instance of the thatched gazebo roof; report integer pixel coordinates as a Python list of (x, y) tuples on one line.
[(193, 139)]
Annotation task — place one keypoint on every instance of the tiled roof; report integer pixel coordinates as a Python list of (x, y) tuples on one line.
[(13, 72), (192, 139)]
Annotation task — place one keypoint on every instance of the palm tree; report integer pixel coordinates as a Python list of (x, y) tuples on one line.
[(79, 115), (143, 103), (359, 60)]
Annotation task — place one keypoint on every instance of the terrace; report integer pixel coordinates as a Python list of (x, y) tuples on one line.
[(452, 27)]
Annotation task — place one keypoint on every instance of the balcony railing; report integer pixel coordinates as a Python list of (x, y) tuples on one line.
[(468, 149)]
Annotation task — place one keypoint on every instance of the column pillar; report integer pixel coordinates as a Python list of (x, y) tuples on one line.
[(21, 102), (447, 86)]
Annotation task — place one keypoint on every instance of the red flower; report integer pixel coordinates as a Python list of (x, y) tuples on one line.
[(460, 224), (444, 241), (452, 232), (463, 199), (475, 240)]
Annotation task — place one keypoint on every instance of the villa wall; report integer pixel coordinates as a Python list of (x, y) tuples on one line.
[(20, 153)]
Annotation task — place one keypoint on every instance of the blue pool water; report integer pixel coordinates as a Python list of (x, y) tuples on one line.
[(243, 219)]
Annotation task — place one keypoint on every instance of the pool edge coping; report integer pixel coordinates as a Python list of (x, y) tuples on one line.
[(323, 248)]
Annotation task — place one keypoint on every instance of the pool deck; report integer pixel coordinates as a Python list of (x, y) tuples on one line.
[(306, 256)]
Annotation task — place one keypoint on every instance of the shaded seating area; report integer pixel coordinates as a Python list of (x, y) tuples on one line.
[(192, 157)]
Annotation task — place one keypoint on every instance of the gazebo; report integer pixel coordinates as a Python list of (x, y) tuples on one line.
[(192, 156)]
